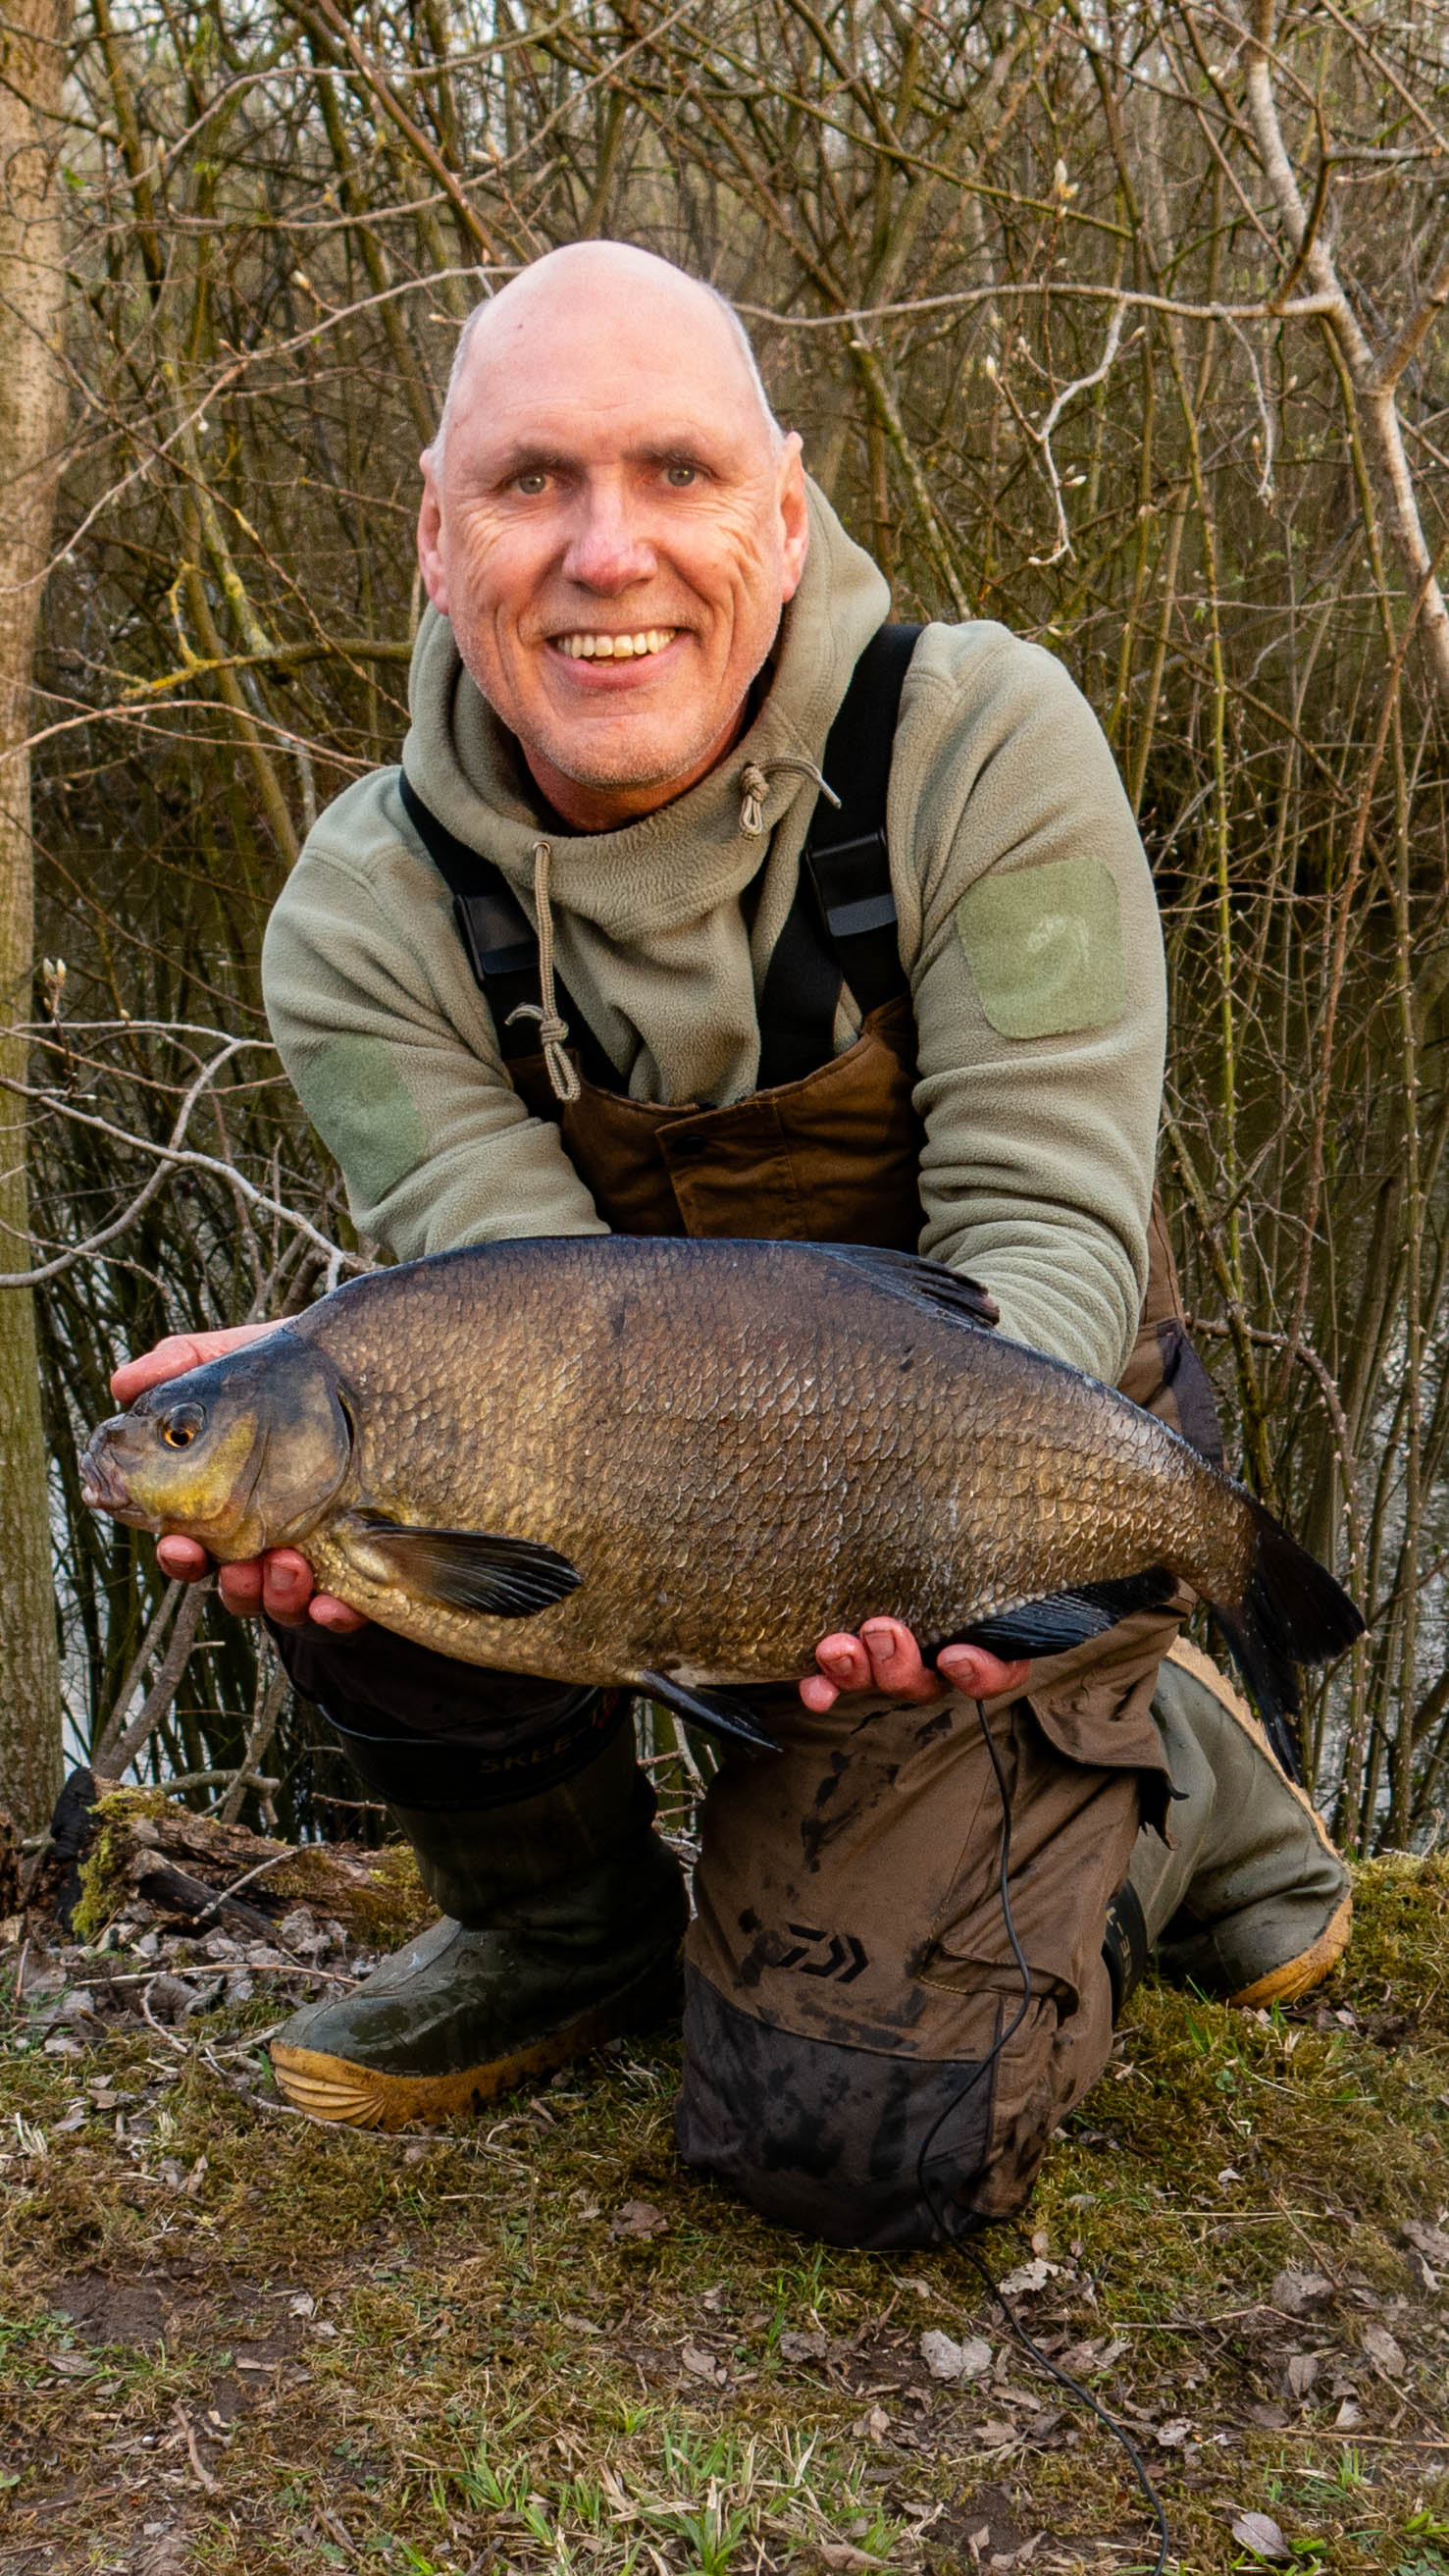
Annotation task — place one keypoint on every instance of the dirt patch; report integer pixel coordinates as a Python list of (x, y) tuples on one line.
[(112, 2312)]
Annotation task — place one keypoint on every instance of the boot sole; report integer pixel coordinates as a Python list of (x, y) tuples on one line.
[(342, 2092), (1299, 1976)]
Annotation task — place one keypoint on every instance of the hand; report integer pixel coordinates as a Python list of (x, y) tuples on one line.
[(178, 1353), (279, 1583), (886, 1657)]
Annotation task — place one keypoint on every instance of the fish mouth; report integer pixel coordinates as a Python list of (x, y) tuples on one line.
[(103, 1487)]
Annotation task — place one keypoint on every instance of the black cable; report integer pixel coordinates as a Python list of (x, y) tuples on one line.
[(956, 2233), (1075, 2390)]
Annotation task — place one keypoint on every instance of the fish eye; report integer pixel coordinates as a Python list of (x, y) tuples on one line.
[(180, 1426)]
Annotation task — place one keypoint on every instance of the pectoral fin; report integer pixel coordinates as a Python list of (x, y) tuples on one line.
[(717, 1714), (506, 1578), (1067, 1619)]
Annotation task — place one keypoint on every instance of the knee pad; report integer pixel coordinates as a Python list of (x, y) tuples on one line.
[(841, 2143)]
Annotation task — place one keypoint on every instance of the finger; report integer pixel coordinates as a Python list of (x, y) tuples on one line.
[(844, 1661), (175, 1355), (240, 1587), (286, 1586), (971, 1670), (170, 1358), (182, 1558), (895, 1661), (818, 1694), (337, 1617)]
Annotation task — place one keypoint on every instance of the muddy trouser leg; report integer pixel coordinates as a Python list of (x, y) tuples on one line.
[(854, 2061), (531, 1825)]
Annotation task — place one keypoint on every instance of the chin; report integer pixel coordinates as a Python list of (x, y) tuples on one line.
[(635, 762)]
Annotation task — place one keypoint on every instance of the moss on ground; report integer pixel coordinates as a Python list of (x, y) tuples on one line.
[(233, 2342), (104, 1884)]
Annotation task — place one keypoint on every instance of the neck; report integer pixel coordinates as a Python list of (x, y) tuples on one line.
[(586, 808)]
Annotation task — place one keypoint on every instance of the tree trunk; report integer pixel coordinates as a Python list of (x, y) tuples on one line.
[(32, 408)]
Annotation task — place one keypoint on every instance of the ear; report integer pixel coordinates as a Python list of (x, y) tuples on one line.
[(794, 511), (430, 537)]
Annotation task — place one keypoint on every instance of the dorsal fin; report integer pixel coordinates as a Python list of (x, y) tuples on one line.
[(919, 1282)]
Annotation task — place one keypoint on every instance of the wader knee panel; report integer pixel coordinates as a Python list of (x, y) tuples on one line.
[(849, 1973), (425, 1732)]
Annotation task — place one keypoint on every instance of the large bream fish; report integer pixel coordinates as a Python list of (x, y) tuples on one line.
[(677, 1465)]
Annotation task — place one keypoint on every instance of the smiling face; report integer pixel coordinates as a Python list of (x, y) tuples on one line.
[(613, 528)]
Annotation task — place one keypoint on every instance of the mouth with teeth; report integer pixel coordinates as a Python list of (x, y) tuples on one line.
[(586, 647)]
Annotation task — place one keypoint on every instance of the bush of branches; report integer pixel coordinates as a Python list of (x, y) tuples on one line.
[(1116, 323)]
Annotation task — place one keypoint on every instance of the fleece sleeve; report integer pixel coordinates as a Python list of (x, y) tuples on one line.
[(392, 1049), (1030, 928)]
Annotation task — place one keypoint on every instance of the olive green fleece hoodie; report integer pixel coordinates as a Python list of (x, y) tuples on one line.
[(1027, 924)]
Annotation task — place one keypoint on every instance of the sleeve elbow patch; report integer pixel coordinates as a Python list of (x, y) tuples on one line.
[(364, 1113), (1044, 946)]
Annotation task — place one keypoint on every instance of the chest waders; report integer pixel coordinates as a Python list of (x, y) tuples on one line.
[(848, 1966)]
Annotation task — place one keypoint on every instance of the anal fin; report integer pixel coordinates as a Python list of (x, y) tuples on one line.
[(714, 1711)]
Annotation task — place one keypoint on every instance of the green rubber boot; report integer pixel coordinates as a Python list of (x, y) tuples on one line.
[(564, 1914), (1251, 1901)]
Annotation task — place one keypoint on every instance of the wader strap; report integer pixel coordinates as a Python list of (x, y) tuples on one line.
[(500, 944), (841, 927)]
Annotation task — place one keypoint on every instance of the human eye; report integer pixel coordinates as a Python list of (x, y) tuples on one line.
[(531, 482), (681, 473)]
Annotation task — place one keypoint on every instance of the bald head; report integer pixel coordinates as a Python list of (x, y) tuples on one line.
[(617, 284), (612, 520)]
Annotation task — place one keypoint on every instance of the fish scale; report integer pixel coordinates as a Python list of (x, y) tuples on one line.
[(679, 1464)]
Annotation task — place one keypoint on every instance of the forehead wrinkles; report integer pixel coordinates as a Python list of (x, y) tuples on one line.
[(583, 386)]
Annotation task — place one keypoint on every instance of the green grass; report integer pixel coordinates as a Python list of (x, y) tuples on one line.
[(294, 2349)]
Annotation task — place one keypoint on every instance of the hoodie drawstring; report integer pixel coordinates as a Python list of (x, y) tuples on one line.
[(755, 787), (552, 1031)]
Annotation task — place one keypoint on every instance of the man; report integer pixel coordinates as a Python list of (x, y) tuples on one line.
[(643, 624)]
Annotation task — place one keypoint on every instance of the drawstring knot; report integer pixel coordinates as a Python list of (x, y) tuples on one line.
[(754, 788), (553, 1031)]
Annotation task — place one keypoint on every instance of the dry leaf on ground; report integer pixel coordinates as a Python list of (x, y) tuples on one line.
[(1299, 2291), (946, 2359), (1260, 2533), (1029, 2277), (1383, 2352), (639, 2218)]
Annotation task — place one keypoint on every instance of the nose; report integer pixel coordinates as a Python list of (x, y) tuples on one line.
[(609, 549)]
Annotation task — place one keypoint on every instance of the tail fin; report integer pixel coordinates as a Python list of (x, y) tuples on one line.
[(1291, 1612)]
